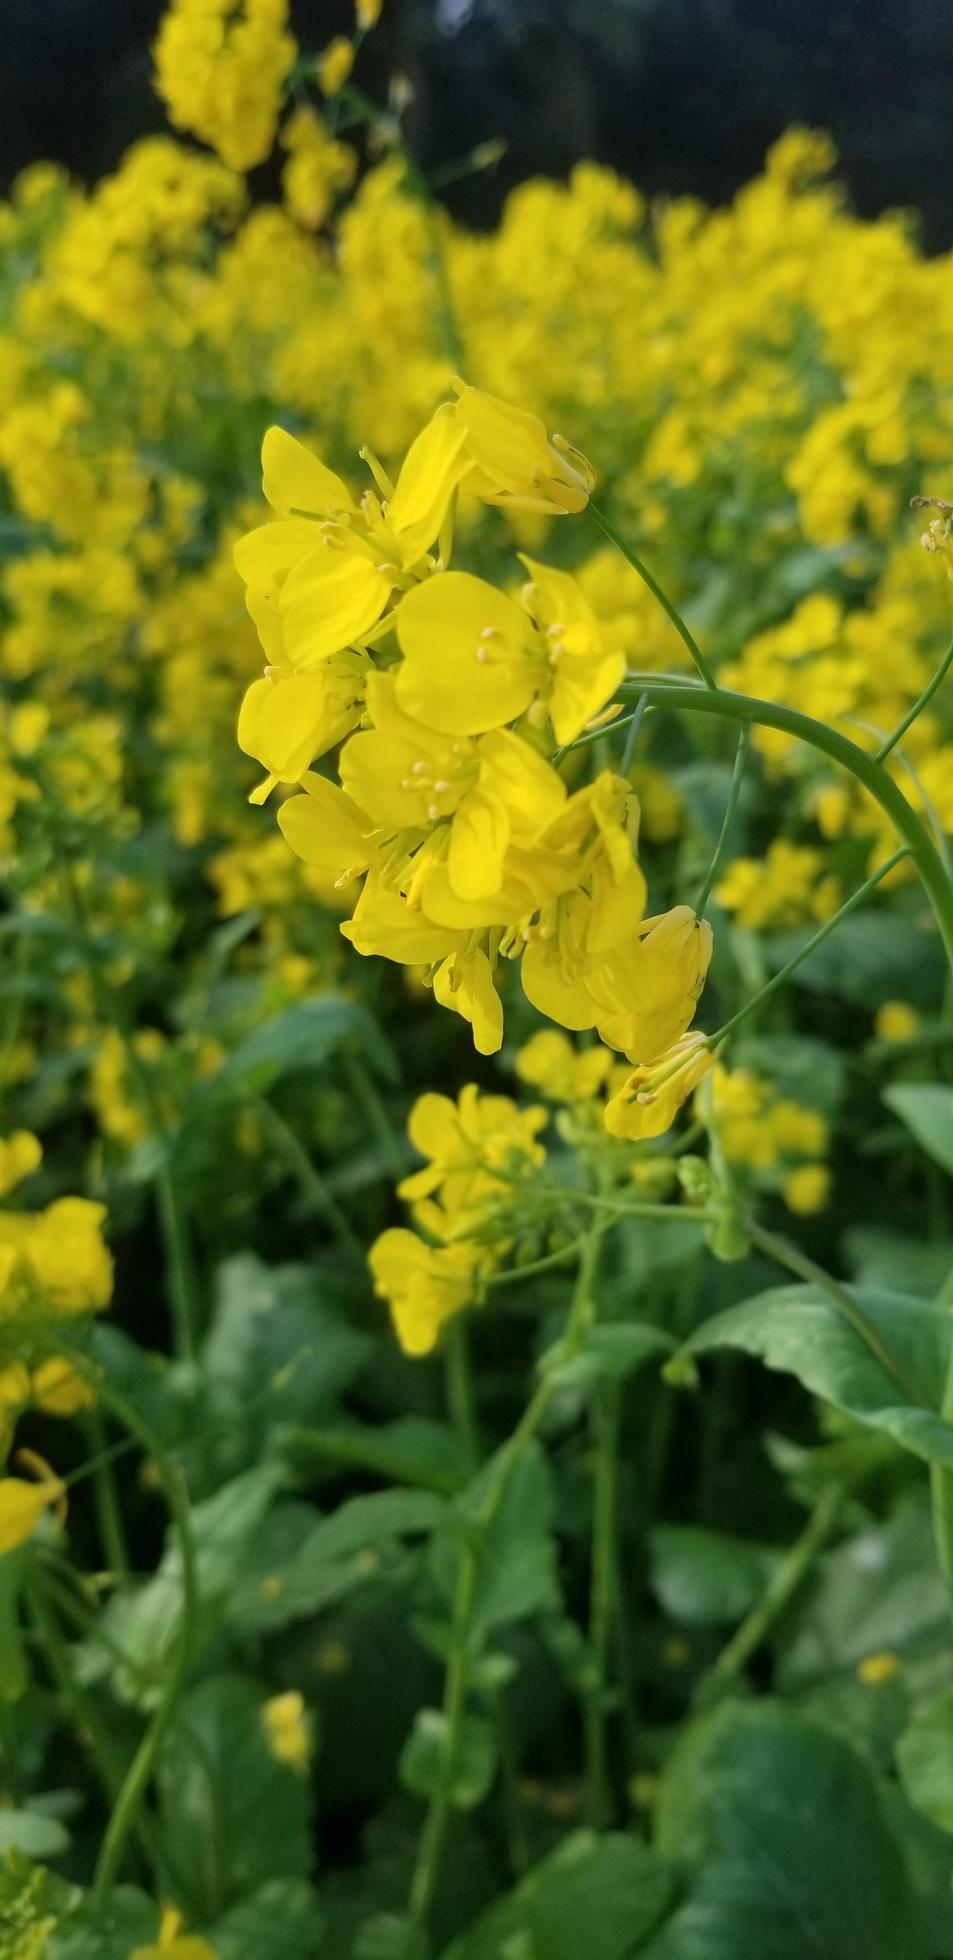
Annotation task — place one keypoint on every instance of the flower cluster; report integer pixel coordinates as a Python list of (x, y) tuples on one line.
[(453, 697)]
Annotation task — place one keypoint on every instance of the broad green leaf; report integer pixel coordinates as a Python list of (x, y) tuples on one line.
[(281, 1920), (610, 1351), (299, 1040), (704, 1577), (897, 1261), (879, 1591), (595, 1898), (424, 1760), (232, 1818), (32, 1832), (927, 1110), (409, 1450), (874, 956), (780, 1831), (86, 1933), (925, 1759), (800, 1331), (325, 1560)]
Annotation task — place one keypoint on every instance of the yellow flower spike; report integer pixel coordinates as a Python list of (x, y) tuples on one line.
[(335, 64), (23, 1504), (58, 1389), (514, 462), (286, 722), (471, 659), (20, 1155), (423, 1285), (287, 1728), (650, 1099)]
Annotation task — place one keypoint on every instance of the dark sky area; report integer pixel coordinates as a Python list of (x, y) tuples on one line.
[(681, 95)]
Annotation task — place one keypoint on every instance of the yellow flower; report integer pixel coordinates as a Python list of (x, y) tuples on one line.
[(474, 1145), (335, 64), (807, 1189), (474, 659), (367, 13), (647, 989), (287, 721), (63, 1252), (514, 462), (318, 167), (549, 1062), (173, 1944), (328, 830), (423, 1285), (23, 1504), (876, 1669), (896, 1020), (221, 69), (58, 1389), (288, 1729), (463, 982), (319, 579), (20, 1155), (649, 1101)]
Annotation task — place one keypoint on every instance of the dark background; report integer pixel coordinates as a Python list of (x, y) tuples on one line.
[(680, 95)]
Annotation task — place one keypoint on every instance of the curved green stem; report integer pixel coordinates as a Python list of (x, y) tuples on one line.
[(784, 1583), (734, 791), (632, 558), (602, 1594), (729, 706), (810, 946), (919, 704), (459, 1377)]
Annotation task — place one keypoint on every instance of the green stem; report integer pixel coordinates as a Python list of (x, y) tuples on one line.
[(378, 1120), (734, 791), (804, 1268), (920, 703), (311, 1184), (828, 741), (632, 558), (459, 1378), (781, 1587), (602, 1596), (129, 1802), (810, 946), (81, 1708), (433, 1836), (106, 1498)]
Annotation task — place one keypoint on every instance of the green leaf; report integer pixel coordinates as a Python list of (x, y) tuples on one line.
[(800, 1331), (233, 1819), (781, 1828), (518, 1569), (927, 1110), (33, 1833), (284, 1918), (879, 1591), (301, 1039), (705, 1578), (326, 1560), (613, 1350), (925, 1759), (409, 1450), (425, 1758), (85, 1932), (874, 956), (595, 1898)]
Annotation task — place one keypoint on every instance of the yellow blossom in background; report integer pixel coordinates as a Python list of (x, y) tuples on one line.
[(318, 168), (335, 64), (221, 70), (477, 1147), (896, 1021), (287, 1727), (549, 1062), (785, 888), (173, 1943), (20, 1155), (23, 1503), (807, 1189), (875, 1670)]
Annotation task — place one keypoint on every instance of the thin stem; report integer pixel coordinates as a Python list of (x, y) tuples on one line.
[(378, 1120), (433, 1836), (595, 1201), (804, 1268), (80, 1706), (919, 704), (632, 558), (828, 741), (734, 791), (106, 1498), (810, 946), (459, 1377), (312, 1185), (781, 1587), (602, 1597)]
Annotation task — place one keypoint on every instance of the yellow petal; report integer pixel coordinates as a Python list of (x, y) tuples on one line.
[(479, 835), (285, 723), (383, 922), (328, 830), (515, 775), (431, 471), (264, 557), (295, 481), (22, 1505), (330, 600), (468, 657), (514, 461), (464, 983)]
